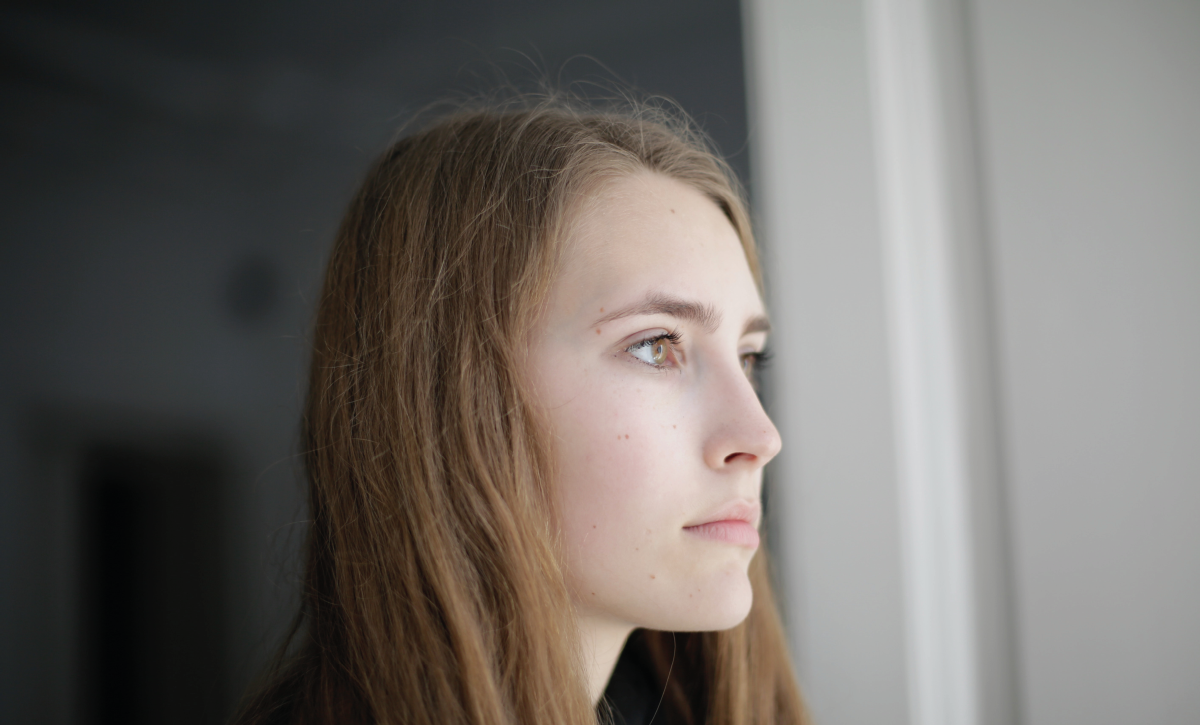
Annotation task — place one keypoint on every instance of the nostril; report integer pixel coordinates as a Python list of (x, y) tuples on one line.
[(734, 456)]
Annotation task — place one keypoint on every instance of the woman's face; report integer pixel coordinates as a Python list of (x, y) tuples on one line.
[(641, 362)]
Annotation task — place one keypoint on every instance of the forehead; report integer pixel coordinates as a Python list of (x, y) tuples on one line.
[(648, 232)]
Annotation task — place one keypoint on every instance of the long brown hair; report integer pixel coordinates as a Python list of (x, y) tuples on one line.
[(433, 589)]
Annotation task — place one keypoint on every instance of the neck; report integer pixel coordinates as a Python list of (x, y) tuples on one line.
[(601, 641)]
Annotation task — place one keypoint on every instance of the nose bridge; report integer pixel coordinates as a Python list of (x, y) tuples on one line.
[(739, 424)]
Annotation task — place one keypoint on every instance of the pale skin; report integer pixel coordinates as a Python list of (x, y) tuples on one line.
[(654, 436)]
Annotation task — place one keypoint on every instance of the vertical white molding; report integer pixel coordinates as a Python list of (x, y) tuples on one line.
[(833, 487), (867, 192), (926, 380), (931, 230)]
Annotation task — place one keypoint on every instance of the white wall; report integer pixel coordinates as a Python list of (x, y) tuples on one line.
[(1092, 143), (985, 215), (833, 505)]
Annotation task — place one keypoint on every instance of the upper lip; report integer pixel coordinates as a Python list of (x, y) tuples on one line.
[(739, 510)]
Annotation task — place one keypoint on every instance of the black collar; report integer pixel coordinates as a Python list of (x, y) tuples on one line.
[(631, 695)]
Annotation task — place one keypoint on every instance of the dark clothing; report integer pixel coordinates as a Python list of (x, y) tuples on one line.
[(631, 694)]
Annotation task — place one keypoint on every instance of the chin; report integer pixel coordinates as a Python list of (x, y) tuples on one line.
[(728, 613), (711, 606)]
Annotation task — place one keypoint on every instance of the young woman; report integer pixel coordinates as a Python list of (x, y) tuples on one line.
[(532, 439)]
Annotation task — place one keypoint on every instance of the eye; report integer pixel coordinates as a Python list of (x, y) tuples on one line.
[(754, 362), (657, 351)]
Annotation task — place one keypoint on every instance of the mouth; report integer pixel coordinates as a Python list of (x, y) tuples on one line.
[(730, 531), (735, 523)]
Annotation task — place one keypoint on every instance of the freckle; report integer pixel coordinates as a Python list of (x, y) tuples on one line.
[(636, 549), (689, 596), (672, 211), (653, 577), (597, 330), (674, 426), (594, 594), (593, 526), (602, 309), (626, 436)]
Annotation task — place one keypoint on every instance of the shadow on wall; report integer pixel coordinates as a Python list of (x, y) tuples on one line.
[(137, 539)]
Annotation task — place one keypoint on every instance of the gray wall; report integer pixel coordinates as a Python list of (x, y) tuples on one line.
[(1091, 113), (1068, 133)]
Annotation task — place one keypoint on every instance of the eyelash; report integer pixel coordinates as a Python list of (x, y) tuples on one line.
[(673, 337), (757, 360)]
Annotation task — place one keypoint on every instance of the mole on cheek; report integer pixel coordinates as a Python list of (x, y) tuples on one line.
[(597, 330), (653, 577)]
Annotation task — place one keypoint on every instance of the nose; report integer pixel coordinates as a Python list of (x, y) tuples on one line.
[(741, 435)]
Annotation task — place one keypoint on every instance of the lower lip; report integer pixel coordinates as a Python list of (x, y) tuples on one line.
[(729, 532)]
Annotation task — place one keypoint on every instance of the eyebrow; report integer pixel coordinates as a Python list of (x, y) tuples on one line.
[(701, 314)]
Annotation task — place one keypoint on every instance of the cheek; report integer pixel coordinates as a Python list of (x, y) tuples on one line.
[(610, 452), (629, 475), (619, 459)]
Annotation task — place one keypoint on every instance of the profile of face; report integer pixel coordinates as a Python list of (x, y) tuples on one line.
[(641, 362)]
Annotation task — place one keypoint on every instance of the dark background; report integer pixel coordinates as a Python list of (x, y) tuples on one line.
[(173, 175)]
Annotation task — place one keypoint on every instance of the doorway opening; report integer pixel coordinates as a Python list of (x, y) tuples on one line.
[(152, 628)]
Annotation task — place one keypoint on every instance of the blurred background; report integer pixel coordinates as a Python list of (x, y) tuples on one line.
[(173, 176)]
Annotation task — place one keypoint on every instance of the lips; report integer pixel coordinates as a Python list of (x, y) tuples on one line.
[(734, 523), (738, 533)]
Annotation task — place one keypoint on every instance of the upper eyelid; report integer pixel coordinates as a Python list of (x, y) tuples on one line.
[(756, 334), (650, 335), (640, 339), (648, 339)]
